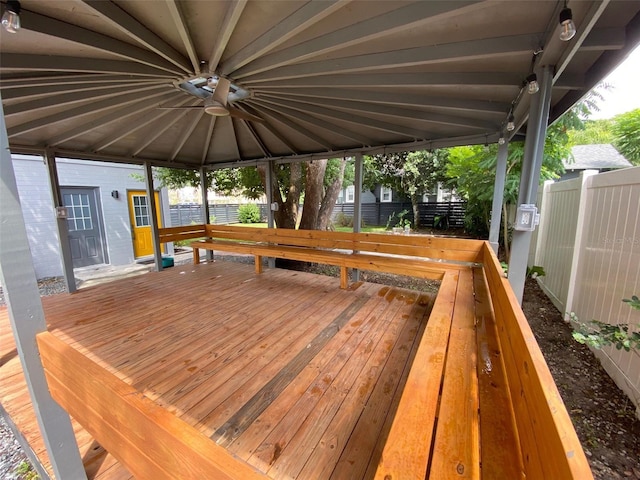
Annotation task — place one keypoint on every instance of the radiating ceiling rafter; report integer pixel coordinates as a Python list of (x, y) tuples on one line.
[(83, 36), (231, 18), (253, 109), (86, 109), (37, 91), (151, 102), (130, 127), (207, 140), (186, 133), (367, 30), (175, 11), (306, 16), (27, 81), (65, 99), (448, 52), (124, 22), (256, 138), (365, 122), (58, 63), (159, 130), (318, 122), (389, 97)]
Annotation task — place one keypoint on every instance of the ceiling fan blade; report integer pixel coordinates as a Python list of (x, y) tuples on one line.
[(181, 108), (221, 93), (236, 112)]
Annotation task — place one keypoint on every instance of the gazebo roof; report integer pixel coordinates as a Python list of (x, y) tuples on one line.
[(91, 79)]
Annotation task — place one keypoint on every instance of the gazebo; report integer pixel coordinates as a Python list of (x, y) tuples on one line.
[(209, 85)]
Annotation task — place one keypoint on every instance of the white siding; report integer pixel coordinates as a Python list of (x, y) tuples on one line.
[(35, 197), (605, 267)]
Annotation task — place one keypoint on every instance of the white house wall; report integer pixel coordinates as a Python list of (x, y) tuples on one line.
[(38, 211)]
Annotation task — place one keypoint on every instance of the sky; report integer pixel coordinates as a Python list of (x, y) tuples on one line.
[(625, 94)]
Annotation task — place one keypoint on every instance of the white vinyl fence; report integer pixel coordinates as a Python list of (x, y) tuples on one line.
[(589, 245)]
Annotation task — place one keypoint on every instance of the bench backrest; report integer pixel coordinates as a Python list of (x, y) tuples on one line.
[(185, 232), (424, 246)]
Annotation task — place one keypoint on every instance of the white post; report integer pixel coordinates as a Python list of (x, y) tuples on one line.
[(498, 195), (18, 280), (155, 235)]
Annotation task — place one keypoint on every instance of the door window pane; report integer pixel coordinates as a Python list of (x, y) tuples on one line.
[(141, 211), (79, 213)]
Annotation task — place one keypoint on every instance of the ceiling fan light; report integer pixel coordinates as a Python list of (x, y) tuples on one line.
[(567, 27), (11, 16), (532, 84)]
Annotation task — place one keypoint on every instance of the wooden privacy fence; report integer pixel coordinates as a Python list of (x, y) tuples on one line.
[(588, 242)]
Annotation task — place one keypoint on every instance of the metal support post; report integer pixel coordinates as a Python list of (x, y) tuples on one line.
[(204, 189), (530, 177), (357, 204), (498, 195), (61, 223), (155, 235), (270, 174), (18, 280)]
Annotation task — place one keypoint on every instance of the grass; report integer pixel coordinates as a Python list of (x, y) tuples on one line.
[(26, 472)]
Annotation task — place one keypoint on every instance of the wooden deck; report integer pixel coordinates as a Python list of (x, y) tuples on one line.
[(289, 373)]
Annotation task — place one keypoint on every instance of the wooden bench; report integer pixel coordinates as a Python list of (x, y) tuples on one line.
[(414, 255)]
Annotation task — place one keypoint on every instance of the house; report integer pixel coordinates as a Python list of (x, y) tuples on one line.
[(387, 195), (601, 157), (108, 217)]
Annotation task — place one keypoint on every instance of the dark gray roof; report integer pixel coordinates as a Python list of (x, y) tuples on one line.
[(597, 157)]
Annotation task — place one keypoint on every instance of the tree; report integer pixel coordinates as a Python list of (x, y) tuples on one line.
[(411, 173), (594, 132), (626, 135)]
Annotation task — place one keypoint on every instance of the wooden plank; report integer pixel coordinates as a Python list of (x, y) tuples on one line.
[(499, 442), (550, 446), (344, 278), (258, 263), (152, 443), (456, 452), (406, 452)]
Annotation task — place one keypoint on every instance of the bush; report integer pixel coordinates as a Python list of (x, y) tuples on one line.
[(249, 213), (343, 220)]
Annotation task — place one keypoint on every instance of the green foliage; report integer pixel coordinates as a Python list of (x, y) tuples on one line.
[(535, 271), (249, 213), (598, 334), (626, 135), (26, 471), (398, 220), (343, 220), (594, 132)]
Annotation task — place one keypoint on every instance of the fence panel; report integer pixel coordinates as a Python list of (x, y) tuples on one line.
[(379, 213), (591, 276)]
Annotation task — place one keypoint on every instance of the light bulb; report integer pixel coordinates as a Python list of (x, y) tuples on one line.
[(511, 126), (567, 27), (11, 16), (532, 84), (501, 140)]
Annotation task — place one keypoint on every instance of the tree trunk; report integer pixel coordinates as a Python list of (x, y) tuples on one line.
[(313, 193), (416, 212), (287, 214), (329, 200)]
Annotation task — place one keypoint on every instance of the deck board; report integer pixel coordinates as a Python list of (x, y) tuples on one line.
[(210, 343)]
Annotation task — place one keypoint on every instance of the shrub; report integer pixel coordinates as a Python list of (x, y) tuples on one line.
[(249, 213), (343, 220)]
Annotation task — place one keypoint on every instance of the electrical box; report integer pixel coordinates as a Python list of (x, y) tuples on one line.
[(527, 217), (275, 207), (62, 212)]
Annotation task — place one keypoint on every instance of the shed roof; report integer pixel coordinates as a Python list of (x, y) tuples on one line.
[(599, 157), (92, 79)]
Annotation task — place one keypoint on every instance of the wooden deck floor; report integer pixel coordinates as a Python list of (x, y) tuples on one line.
[(291, 374)]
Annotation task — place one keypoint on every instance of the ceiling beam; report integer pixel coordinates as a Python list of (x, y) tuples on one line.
[(425, 55), (186, 133), (388, 23), (157, 132), (87, 109), (300, 114), (231, 18), (294, 126), (117, 17), (118, 115), (27, 81), (235, 138), (396, 80), (54, 63), (400, 113), (132, 126), (57, 91), (389, 97), (59, 29), (366, 122), (604, 39), (181, 25), (272, 129), (257, 139), (71, 98), (303, 18), (207, 140)]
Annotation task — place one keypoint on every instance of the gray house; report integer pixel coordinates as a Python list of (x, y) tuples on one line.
[(601, 157), (108, 218)]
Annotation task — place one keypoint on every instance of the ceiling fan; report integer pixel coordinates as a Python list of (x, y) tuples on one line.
[(217, 104)]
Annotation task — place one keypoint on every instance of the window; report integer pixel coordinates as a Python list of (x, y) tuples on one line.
[(351, 194), (79, 212), (141, 210), (385, 194)]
